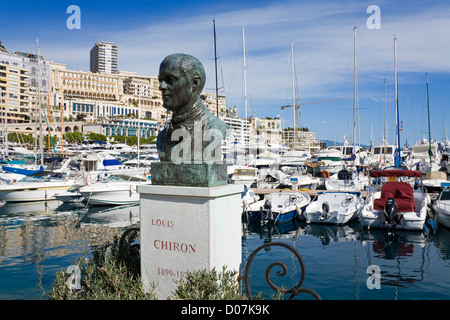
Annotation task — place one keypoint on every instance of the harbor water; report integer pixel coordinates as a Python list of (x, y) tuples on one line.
[(39, 239)]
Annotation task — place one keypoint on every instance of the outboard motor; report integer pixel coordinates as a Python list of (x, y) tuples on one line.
[(391, 215), (266, 211), (325, 210)]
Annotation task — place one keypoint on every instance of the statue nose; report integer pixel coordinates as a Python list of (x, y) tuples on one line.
[(163, 85)]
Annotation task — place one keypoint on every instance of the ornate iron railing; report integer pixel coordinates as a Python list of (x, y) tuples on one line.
[(295, 290)]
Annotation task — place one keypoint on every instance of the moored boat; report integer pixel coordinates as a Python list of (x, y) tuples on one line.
[(42, 185), (397, 204), (333, 207), (116, 189), (278, 207), (441, 206)]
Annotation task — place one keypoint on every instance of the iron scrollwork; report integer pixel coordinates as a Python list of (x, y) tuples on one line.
[(295, 290)]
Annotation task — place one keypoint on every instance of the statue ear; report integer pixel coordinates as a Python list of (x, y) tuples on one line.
[(195, 83)]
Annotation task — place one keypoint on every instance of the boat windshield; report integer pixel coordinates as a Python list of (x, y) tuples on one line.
[(244, 172), (38, 178), (445, 195), (382, 150), (123, 177)]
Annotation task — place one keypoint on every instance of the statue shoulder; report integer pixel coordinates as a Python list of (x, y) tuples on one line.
[(214, 122)]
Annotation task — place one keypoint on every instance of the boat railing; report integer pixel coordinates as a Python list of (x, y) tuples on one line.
[(442, 205)]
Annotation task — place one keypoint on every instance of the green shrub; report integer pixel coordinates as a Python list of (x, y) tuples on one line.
[(110, 274), (209, 285)]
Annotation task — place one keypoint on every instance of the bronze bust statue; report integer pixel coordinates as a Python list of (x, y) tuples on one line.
[(194, 135)]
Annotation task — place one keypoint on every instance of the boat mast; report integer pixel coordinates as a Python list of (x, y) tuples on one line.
[(385, 124), (215, 65), (5, 124), (429, 130), (385, 119), (139, 126), (354, 87), (41, 151), (397, 116), (245, 80), (293, 94)]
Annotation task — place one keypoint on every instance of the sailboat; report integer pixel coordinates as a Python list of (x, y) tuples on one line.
[(350, 178), (243, 173), (382, 155), (398, 158), (425, 156)]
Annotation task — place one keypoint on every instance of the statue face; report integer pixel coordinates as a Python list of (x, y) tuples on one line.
[(177, 89)]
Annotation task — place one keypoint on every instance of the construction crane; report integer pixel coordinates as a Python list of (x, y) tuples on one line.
[(297, 106), (302, 104)]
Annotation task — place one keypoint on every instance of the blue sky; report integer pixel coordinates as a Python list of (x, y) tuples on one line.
[(322, 33)]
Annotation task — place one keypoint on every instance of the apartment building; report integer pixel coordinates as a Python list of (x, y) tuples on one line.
[(266, 130), (98, 96), (304, 140), (103, 58), (14, 93)]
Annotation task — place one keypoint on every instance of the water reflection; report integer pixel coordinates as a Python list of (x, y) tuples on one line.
[(442, 241), (338, 259), (40, 238)]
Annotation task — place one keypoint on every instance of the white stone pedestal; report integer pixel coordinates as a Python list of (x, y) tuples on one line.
[(186, 229)]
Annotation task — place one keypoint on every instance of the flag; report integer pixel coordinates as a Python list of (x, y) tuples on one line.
[(401, 126)]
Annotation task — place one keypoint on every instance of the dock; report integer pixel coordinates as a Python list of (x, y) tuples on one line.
[(311, 193)]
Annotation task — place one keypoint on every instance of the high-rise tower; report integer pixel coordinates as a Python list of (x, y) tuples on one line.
[(104, 58)]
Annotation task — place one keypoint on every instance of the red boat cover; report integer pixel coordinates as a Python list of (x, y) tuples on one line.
[(402, 192), (395, 173)]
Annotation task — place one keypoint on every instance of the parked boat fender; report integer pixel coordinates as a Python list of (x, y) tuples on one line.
[(325, 173)]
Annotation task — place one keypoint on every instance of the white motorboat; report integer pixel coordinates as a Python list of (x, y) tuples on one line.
[(333, 207), (294, 158), (278, 207), (441, 206), (381, 156), (434, 180), (394, 204), (350, 154), (244, 175), (271, 179), (248, 197), (331, 161), (116, 189), (347, 181), (96, 166), (71, 195), (144, 160), (420, 158), (299, 178), (40, 186)]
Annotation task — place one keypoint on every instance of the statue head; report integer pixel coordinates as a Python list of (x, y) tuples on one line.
[(181, 79)]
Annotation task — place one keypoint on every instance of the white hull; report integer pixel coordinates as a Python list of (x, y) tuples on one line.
[(247, 182), (19, 192), (111, 193), (443, 217), (69, 197), (442, 210), (111, 197), (411, 220), (343, 207)]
